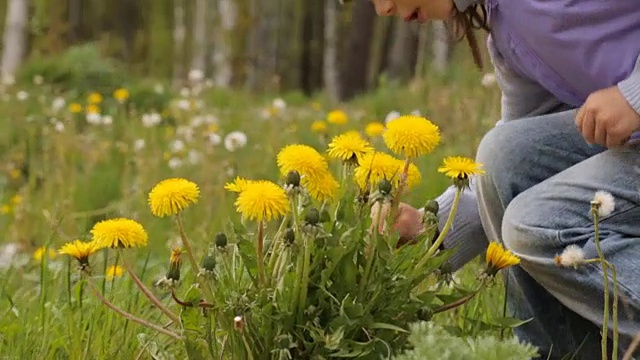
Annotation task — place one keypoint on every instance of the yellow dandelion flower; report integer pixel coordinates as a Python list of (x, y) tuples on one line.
[(6, 209), (119, 233), (378, 166), (262, 200), (301, 158), (498, 258), (213, 128), (349, 146), (316, 106), (337, 117), (321, 187), (114, 271), (171, 196), (94, 98), (16, 199), (39, 253), (93, 109), (319, 126), (460, 167), (411, 135), (374, 129), (75, 108), (121, 94), (80, 250), (238, 185)]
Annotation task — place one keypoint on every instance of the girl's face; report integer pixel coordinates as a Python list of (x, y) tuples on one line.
[(415, 10)]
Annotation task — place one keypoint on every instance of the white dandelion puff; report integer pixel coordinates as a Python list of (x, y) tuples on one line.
[(605, 203), (572, 256), (177, 146), (214, 139), (139, 144), (22, 95), (175, 163), (58, 104), (391, 116), (235, 140), (488, 80)]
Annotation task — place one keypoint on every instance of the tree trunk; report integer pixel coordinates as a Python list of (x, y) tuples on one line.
[(14, 45), (200, 35), (312, 43), (331, 73), (402, 57), (179, 35), (226, 18), (441, 46), (358, 49)]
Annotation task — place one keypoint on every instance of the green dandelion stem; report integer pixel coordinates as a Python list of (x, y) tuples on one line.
[(306, 270), (208, 293), (461, 301), (260, 251), (605, 272), (616, 336), (371, 253), (403, 183), (149, 294), (129, 316), (445, 230)]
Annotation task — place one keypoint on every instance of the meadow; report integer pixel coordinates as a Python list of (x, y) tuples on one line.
[(92, 150)]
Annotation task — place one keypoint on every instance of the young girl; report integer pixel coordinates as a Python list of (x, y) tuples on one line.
[(569, 71)]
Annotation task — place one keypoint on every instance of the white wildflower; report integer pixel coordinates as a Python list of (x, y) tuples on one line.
[(488, 79), (139, 144), (391, 116), (59, 126), (279, 104), (604, 202), (175, 163), (22, 95), (572, 256), (94, 118), (177, 146), (196, 121), (210, 119), (184, 104), (214, 139), (151, 119), (58, 104), (185, 92), (158, 88), (235, 140), (194, 157), (38, 80), (107, 120), (196, 75), (7, 254)]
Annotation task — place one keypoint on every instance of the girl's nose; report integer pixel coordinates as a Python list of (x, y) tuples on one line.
[(385, 8)]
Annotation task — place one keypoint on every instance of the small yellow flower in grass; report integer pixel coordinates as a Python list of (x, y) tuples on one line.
[(498, 258), (374, 129), (238, 185), (301, 158), (604, 203), (377, 166), (15, 173), (337, 117), (460, 169), (121, 95), (171, 196), (319, 127), (114, 271), (92, 109), (262, 200), (80, 250), (349, 147), (6, 209), (119, 233), (322, 187), (94, 98), (39, 253), (411, 135), (75, 108)]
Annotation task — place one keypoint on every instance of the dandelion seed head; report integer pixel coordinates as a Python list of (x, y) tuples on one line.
[(571, 256), (605, 203)]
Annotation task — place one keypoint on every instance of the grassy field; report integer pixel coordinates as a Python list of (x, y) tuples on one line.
[(64, 171)]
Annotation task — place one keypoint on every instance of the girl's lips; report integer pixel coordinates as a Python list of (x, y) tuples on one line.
[(416, 15)]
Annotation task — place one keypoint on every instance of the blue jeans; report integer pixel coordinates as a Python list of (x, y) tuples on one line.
[(535, 198)]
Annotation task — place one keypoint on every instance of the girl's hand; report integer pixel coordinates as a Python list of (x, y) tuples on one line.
[(607, 119)]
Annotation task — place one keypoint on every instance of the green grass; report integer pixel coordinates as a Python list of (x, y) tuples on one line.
[(66, 181)]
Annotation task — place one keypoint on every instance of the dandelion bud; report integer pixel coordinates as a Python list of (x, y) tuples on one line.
[(312, 217), (174, 265), (221, 240), (432, 207), (385, 187), (293, 179), (208, 263), (238, 323), (289, 236)]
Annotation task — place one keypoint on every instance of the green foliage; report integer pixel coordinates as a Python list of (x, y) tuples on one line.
[(431, 341), (80, 69)]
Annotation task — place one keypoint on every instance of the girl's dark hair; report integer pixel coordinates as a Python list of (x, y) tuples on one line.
[(463, 24)]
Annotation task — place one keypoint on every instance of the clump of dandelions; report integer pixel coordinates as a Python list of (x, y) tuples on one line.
[(605, 203), (572, 256)]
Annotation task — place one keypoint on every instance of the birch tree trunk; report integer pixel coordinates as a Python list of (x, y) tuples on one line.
[(441, 46), (226, 18), (179, 35), (15, 38), (199, 36), (330, 64)]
